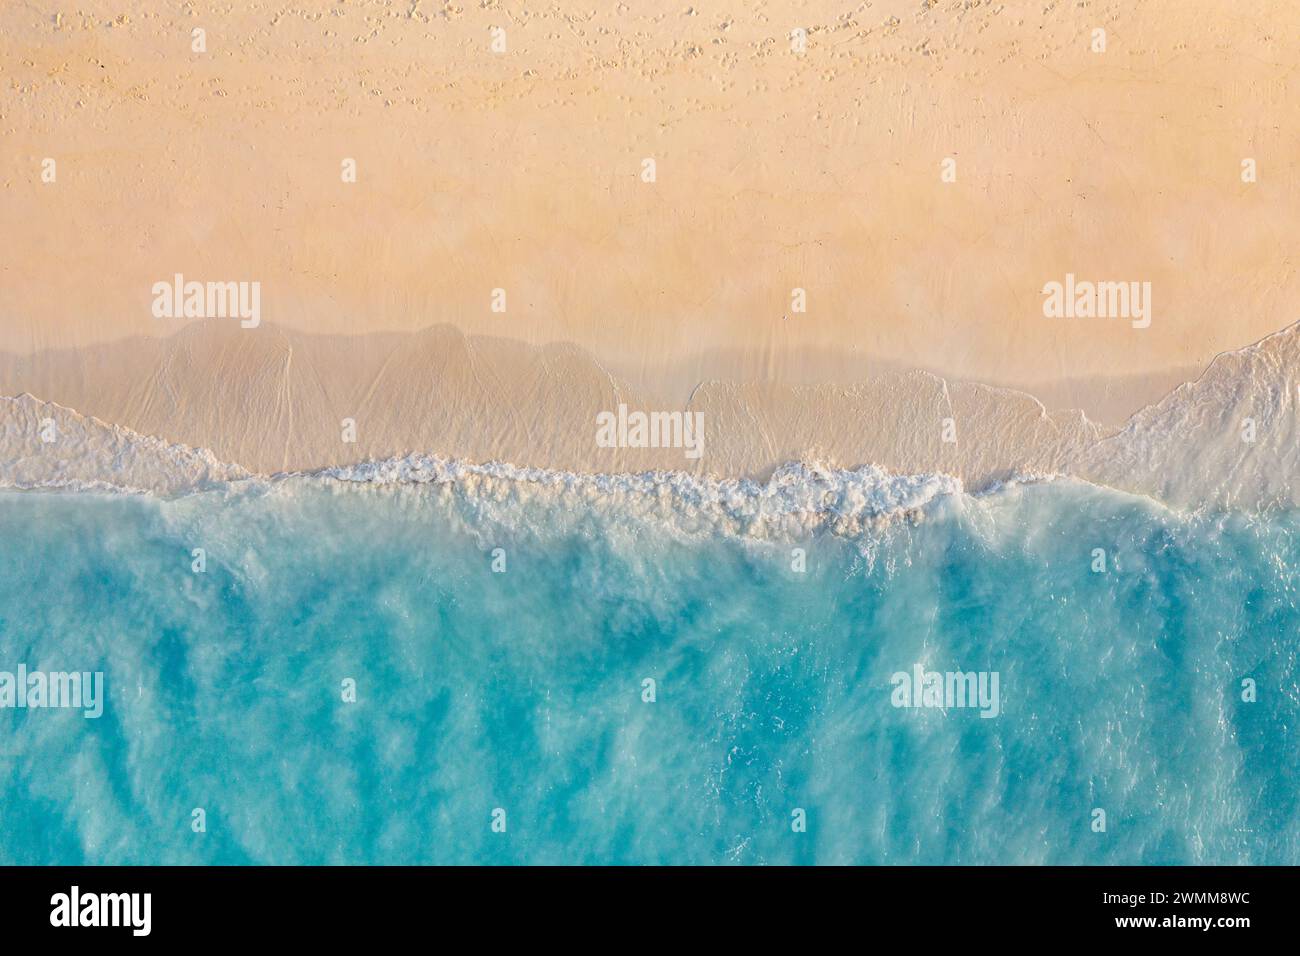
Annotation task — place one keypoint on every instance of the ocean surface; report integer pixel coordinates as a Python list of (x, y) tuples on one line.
[(502, 712)]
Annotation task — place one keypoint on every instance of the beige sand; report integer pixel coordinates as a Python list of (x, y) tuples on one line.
[(522, 171)]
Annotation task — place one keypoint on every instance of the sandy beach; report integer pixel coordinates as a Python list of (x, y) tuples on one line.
[(474, 228)]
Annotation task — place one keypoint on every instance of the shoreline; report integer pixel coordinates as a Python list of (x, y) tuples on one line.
[(271, 401)]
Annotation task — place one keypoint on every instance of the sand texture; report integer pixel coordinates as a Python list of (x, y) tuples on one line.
[(839, 257)]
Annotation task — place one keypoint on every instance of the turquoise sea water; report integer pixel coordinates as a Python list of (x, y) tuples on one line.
[(523, 690)]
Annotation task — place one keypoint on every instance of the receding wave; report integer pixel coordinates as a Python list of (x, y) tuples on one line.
[(1229, 440), (46, 446)]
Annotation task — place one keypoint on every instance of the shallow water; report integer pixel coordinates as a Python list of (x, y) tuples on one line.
[(523, 689)]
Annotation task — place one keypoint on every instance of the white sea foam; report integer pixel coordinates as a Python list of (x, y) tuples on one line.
[(797, 498)]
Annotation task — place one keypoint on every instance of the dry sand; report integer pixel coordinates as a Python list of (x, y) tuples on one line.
[(522, 170)]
